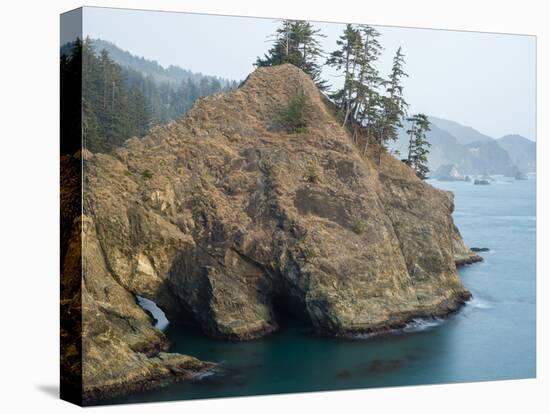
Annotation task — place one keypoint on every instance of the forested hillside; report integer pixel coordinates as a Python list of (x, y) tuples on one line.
[(120, 102), (170, 91), (171, 74)]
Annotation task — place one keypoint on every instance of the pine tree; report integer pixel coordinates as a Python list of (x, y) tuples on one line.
[(372, 117), (139, 113), (368, 79), (92, 131), (284, 49), (118, 103), (360, 99), (70, 92), (393, 105), (419, 146), (111, 112), (296, 42), (367, 108), (311, 51), (345, 59)]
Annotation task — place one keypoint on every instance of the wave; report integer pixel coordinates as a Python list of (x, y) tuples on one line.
[(416, 325), (422, 324), (478, 303), (202, 375)]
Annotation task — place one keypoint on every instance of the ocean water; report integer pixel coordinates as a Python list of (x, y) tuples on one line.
[(491, 338)]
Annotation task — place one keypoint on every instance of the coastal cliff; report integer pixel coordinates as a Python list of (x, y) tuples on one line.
[(223, 218), (109, 346)]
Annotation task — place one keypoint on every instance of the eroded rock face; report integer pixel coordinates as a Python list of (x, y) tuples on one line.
[(221, 217), (109, 344)]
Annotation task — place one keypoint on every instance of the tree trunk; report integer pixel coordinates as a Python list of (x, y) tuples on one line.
[(346, 76), (347, 114), (113, 97), (409, 157), (348, 100), (379, 161)]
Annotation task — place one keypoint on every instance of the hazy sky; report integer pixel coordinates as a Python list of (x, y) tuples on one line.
[(483, 80)]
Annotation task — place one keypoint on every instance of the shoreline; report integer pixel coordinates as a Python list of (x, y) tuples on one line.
[(191, 368), (170, 373), (443, 310)]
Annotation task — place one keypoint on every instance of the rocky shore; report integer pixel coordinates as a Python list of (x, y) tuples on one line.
[(222, 218), (469, 260), (163, 369)]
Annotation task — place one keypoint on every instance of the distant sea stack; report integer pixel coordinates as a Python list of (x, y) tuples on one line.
[(521, 176), (448, 172), (223, 217)]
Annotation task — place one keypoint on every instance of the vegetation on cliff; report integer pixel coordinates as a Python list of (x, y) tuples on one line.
[(296, 42), (371, 106), (418, 145)]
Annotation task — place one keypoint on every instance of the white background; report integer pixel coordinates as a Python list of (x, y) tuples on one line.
[(29, 204)]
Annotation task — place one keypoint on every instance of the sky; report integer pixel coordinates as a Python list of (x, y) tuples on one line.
[(483, 80)]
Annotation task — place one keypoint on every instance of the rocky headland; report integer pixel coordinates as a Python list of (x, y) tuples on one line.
[(222, 218)]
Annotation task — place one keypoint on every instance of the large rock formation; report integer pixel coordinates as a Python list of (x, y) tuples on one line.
[(448, 172), (109, 344), (222, 218)]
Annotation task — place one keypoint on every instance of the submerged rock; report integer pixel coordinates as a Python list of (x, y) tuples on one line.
[(521, 176), (226, 226), (480, 249)]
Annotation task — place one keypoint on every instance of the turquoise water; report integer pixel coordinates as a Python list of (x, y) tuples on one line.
[(492, 338)]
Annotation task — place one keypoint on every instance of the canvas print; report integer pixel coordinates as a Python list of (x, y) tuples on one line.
[(260, 206)]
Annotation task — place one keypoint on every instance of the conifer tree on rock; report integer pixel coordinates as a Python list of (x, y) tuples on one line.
[(359, 98), (297, 42), (418, 145), (345, 59), (393, 105)]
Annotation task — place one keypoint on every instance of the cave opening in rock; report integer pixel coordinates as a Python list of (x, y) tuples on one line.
[(289, 311), (152, 309)]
